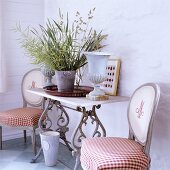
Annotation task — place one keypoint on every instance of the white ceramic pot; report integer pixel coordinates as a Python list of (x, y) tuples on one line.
[(97, 62), (50, 144), (48, 73)]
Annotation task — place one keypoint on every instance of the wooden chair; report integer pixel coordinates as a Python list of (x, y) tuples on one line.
[(115, 153), (26, 117)]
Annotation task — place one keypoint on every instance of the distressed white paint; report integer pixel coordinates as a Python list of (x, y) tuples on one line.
[(139, 32)]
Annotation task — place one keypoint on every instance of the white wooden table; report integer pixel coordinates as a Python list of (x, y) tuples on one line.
[(79, 104)]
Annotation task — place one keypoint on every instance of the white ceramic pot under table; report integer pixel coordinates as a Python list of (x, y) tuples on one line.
[(50, 144)]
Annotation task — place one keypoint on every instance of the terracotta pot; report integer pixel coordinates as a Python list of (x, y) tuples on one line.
[(65, 80)]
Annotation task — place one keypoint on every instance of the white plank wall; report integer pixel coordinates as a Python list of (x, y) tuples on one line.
[(27, 12)]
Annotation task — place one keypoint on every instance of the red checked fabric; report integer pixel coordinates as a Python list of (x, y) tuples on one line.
[(20, 117), (107, 153)]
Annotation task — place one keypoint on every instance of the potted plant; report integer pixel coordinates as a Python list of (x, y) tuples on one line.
[(59, 45)]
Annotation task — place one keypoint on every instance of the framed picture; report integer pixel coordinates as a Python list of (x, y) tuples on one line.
[(111, 83)]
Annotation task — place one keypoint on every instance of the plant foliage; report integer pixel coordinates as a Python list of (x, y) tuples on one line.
[(60, 44)]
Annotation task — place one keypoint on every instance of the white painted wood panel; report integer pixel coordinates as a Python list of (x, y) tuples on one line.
[(27, 12)]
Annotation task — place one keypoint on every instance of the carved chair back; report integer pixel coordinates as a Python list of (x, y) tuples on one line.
[(142, 107), (32, 79)]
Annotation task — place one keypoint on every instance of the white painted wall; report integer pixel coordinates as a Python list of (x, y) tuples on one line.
[(27, 12), (139, 32)]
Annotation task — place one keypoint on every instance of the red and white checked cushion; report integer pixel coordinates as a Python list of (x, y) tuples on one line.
[(20, 117), (108, 153)]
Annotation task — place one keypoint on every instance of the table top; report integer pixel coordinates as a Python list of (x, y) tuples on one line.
[(77, 101)]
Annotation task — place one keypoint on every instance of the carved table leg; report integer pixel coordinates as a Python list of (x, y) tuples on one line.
[(36, 156), (42, 124), (45, 124), (79, 133), (77, 155), (62, 123)]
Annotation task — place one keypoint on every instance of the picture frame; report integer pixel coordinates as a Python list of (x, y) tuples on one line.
[(111, 84)]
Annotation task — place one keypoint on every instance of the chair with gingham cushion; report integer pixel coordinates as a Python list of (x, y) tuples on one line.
[(113, 153), (26, 117)]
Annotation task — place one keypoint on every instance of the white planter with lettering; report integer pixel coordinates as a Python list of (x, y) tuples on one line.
[(50, 144)]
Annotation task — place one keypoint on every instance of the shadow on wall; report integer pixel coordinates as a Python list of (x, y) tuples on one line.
[(162, 118), (161, 130)]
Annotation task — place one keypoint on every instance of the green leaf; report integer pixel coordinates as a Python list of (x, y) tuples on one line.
[(59, 44)]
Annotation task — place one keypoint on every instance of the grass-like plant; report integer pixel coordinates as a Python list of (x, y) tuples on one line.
[(60, 44)]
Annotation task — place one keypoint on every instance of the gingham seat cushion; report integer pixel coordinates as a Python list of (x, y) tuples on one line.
[(20, 117), (106, 153)]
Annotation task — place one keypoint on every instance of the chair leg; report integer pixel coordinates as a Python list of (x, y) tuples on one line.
[(25, 136), (77, 155), (0, 137), (34, 141)]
